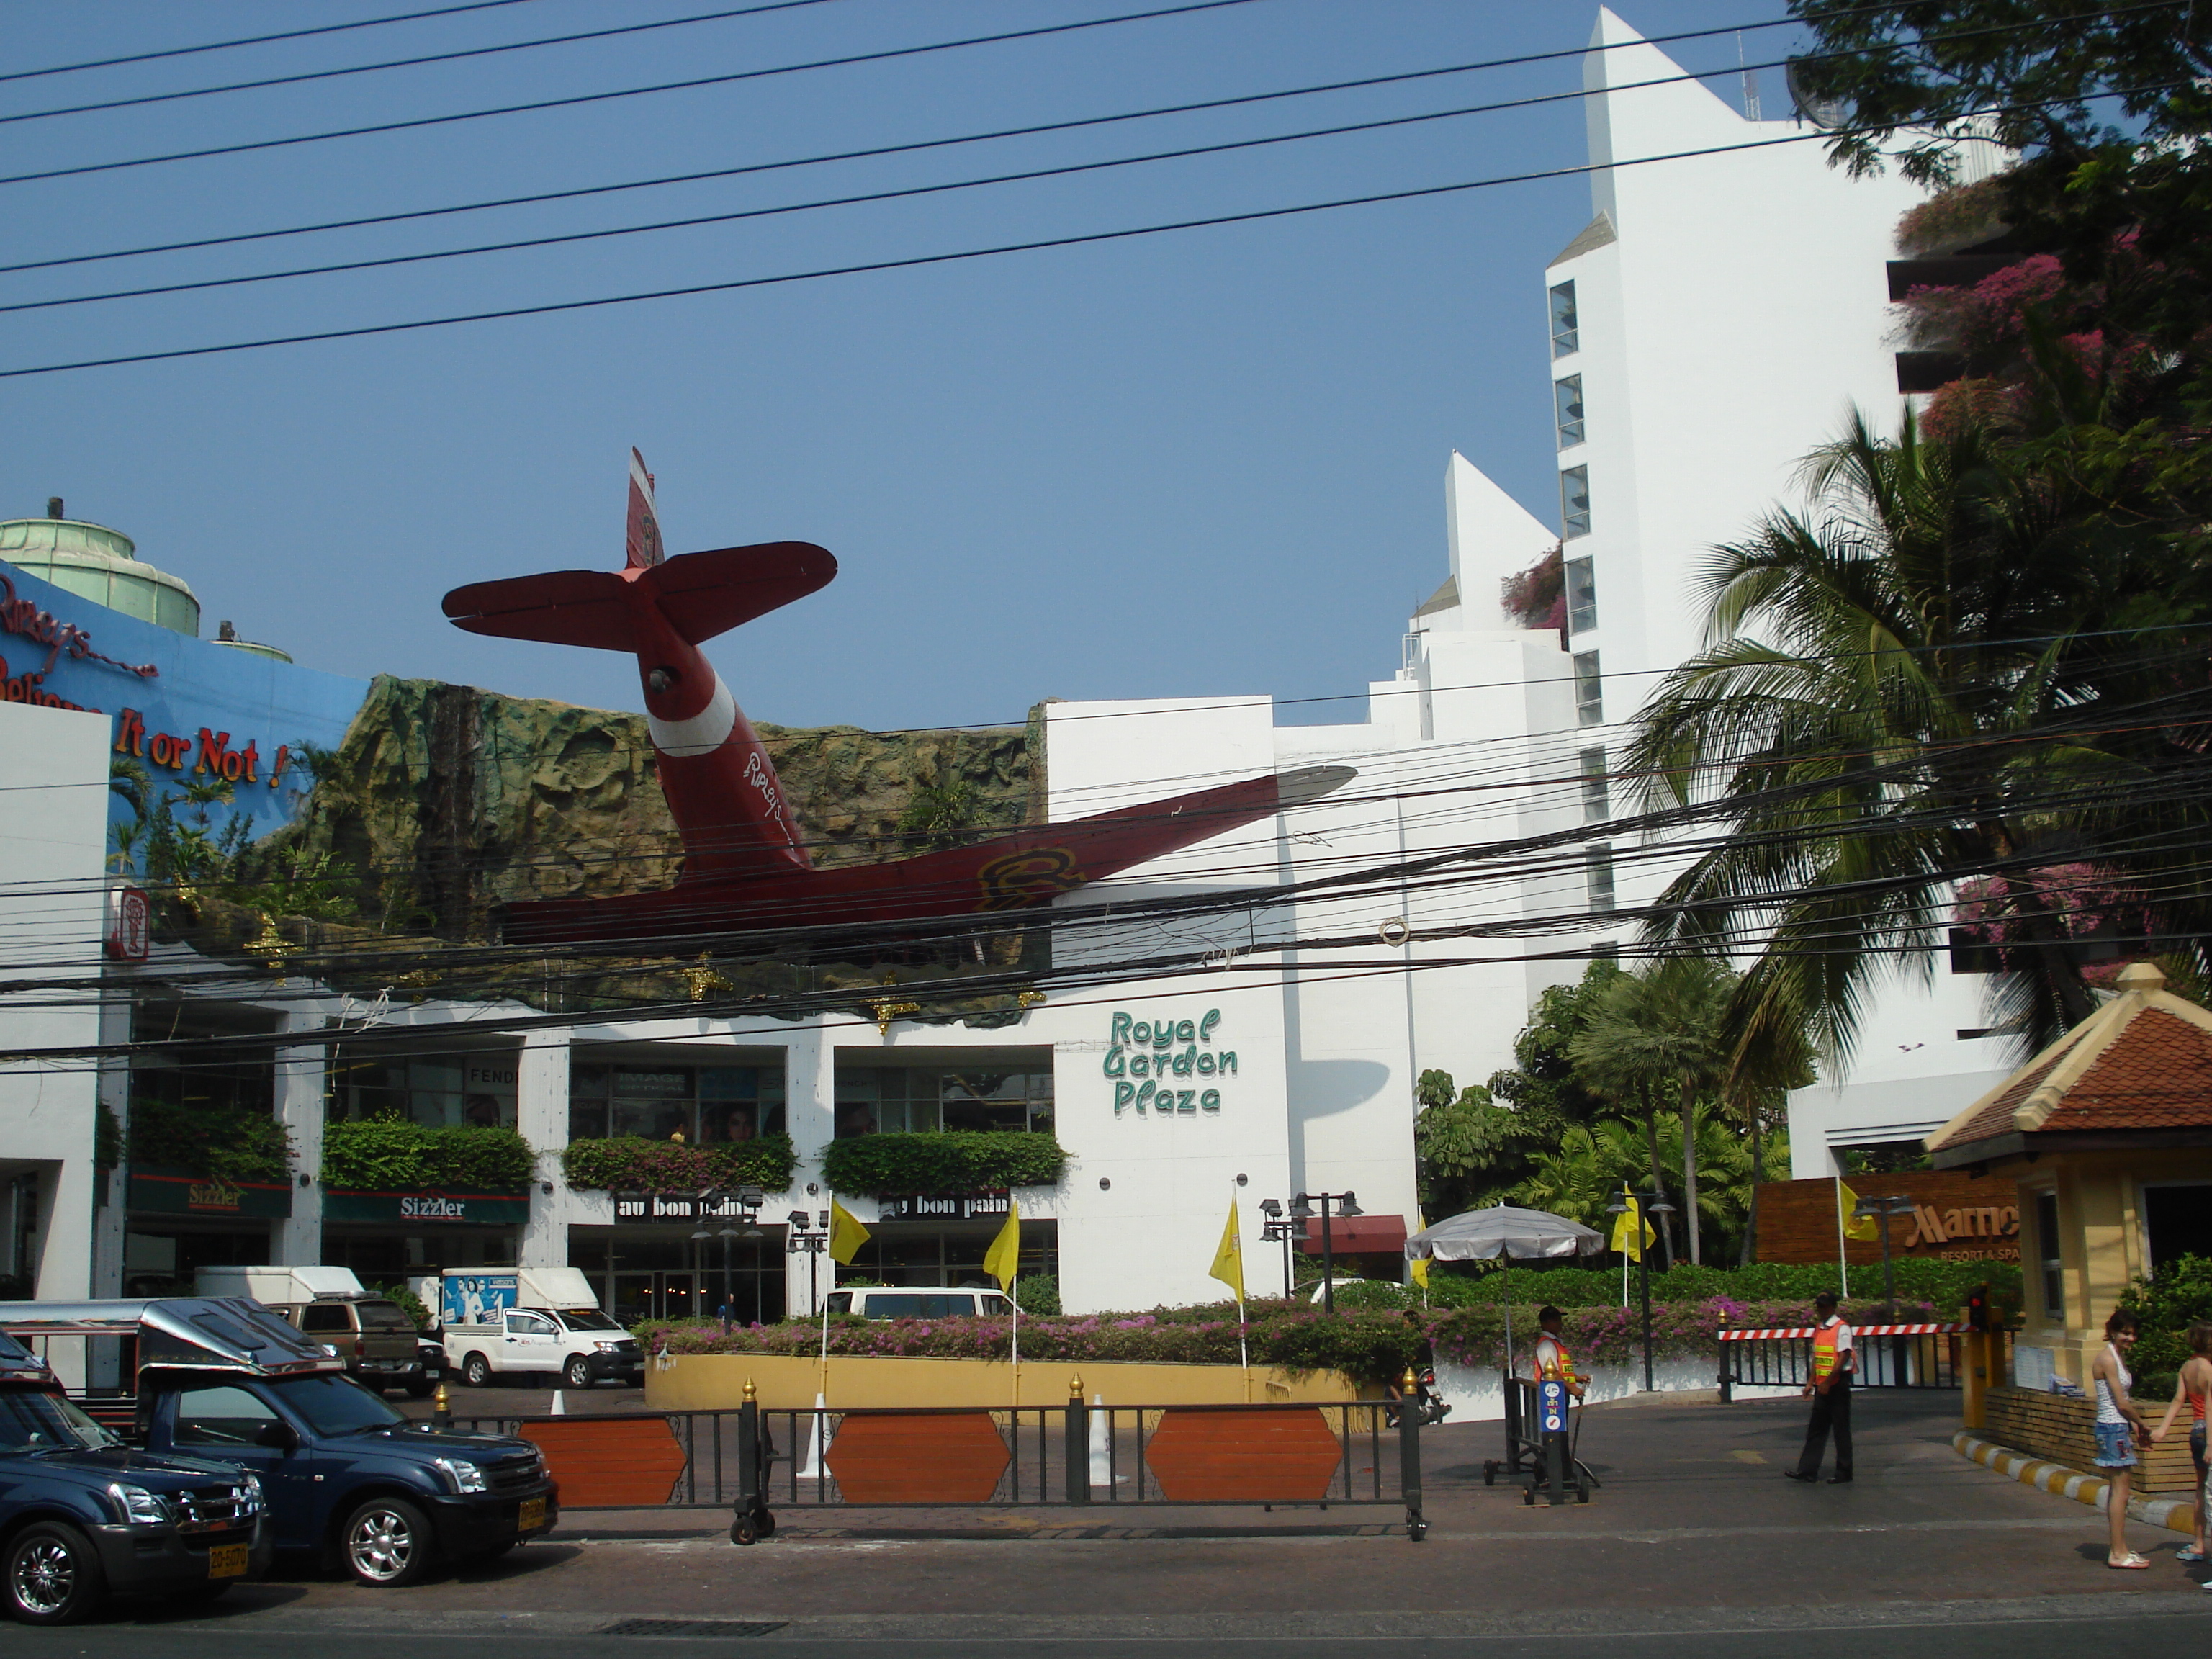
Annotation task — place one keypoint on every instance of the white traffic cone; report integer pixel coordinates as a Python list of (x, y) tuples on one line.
[(560, 1405), (1102, 1458), (811, 1466)]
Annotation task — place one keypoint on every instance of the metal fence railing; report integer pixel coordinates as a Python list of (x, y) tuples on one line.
[(1901, 1356), (756, 1459)]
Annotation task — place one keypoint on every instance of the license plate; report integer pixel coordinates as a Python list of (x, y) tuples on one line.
[(226, 1561), (531, 1516)]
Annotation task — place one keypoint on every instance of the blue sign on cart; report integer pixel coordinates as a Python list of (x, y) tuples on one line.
[(1551, 1405)]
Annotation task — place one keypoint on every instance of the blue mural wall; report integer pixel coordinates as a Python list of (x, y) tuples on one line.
[(190, 712)]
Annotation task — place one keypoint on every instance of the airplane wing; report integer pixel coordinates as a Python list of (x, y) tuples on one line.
[(702, 594)]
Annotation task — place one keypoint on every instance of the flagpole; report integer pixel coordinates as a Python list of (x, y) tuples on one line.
[(1843, 1250)]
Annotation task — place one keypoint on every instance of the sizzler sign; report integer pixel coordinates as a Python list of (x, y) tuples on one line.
[(1147, 1058), (413, 1207)]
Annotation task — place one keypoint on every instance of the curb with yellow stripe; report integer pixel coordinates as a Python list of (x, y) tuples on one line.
[(2172, 1513)]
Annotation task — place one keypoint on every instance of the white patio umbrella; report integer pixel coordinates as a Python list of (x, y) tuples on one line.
[(1504, 1231)]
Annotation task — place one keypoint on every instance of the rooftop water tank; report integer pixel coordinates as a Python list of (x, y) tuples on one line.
[(100, 564)]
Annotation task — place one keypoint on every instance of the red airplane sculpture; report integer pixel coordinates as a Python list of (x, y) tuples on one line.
[(745, 865)]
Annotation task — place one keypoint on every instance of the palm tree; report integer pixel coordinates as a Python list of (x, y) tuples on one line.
[(1898, 692), (1661, 1029)]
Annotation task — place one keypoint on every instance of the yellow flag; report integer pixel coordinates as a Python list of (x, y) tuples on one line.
[(845, 1234), (1003, 1260), (1417, 1268), (1632, 1233), (1229, 1260), (1863, 1227)]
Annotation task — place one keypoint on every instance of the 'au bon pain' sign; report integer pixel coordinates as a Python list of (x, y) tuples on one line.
[(1149, 1061)]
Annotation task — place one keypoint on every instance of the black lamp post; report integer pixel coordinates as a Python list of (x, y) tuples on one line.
[(1880, 1210), (1279, 1230), (796, 1237), (1649, 1204), (1302, 1210)]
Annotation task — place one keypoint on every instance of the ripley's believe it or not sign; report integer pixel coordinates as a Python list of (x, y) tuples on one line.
[(1148, 1058)]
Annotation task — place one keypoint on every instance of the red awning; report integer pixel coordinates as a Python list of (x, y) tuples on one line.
[(1359, 1235)]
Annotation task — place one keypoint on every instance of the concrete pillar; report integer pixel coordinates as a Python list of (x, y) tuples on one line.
[(810, 1093), (111, 1220), (541, 1114), (301, 1078)]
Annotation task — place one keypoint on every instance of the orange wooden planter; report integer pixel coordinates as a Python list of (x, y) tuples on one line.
[(628, 1463), (918, 1457), (1236, 1456)]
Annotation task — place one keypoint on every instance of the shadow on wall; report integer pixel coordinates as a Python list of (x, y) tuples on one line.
[(1321, 1088)]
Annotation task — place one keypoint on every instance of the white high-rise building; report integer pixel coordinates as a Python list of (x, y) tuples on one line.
[(1718, 317)]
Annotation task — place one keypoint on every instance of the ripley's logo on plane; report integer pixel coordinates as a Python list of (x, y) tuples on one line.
[(746, 867)]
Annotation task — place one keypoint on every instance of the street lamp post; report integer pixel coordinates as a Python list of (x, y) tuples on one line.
[(1880, 1210), (1301, 1209), (798, 1237), (1648, 1204), (1280, 1230), (749, 1199)]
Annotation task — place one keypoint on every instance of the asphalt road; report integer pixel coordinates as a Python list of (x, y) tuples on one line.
[(1694, 1541)]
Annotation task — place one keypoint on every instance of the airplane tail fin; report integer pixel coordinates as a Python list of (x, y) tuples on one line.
[(641, 537), (700, 594)]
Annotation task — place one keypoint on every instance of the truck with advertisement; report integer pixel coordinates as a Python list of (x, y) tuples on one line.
[(345, 1479), (529, 1321)]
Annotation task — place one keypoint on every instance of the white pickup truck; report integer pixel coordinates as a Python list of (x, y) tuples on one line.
[(533, 1321)]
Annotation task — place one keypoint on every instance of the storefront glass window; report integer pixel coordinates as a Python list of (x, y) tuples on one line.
[(473, 1088), (923, 1099), (709, 1103)]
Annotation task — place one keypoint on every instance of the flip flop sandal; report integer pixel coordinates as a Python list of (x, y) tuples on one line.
[(2133, 1564)]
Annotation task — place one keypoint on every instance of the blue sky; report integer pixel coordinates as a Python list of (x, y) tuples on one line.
[(1208, 463)]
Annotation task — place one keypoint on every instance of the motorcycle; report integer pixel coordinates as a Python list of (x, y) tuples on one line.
[(1429, 1407)]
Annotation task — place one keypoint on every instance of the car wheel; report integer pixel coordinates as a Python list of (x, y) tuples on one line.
[(476, 1373), (577, 1373), (54, 1577), (387, 1542)]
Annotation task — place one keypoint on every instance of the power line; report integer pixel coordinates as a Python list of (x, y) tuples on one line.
[(916, 261), (407, 63), (575, 99), (1063, 170), (931, 144), (255, 40)]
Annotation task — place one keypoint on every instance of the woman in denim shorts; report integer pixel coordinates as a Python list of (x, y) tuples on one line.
[(2119, 1429), (2192, 1386)]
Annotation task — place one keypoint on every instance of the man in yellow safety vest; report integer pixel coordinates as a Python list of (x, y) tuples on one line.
[(1552, 1360), (1834, 1362)]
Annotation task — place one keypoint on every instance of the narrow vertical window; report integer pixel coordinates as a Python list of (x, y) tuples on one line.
[(1582, 596), (2046, 1247), (1574, 502), (1566, 338), (1590, 690), (1567, 404), (1597, 797), (1597, 869)]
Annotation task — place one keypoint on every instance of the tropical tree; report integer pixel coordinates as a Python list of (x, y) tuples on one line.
[(1933, 674), (1657, 1032), (1467, 1148), (1581, 1176)]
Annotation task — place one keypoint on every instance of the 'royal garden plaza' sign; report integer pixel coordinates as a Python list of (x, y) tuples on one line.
[(1148, 1060)]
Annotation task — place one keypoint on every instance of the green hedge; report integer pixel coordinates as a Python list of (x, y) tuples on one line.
[(222, 1143), (1942, 1285), (2176, 1294), (632, 1163), (386, 1154), (951, 1165)]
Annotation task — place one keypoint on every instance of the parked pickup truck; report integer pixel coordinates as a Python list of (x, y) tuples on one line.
[(530, 1322), (345, 1477), (81, 1515), (375, 1336)]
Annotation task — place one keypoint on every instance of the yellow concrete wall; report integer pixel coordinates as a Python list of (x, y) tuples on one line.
[(710, 1382), (2101, 1244)]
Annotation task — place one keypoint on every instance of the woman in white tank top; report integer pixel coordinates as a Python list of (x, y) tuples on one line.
[(2119, 1429)]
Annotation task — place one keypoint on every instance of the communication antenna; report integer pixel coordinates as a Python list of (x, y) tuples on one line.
[(1829, 114), (1750, 82)]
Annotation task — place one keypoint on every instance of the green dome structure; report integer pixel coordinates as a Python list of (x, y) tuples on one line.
[(101, 565)]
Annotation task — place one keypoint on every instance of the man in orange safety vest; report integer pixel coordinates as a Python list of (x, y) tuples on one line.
[(1834, 1362)]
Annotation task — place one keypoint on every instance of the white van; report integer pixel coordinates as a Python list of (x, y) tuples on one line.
[(918, 1302)]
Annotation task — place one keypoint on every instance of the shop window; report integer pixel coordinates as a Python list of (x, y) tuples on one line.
[(1574, 512), (1590, 690), (439, 1091), (2046, 1248), (1566, 333), (712, 1105), (1597, 870), (1567, 408), (1597, 796), (923, 1100)]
